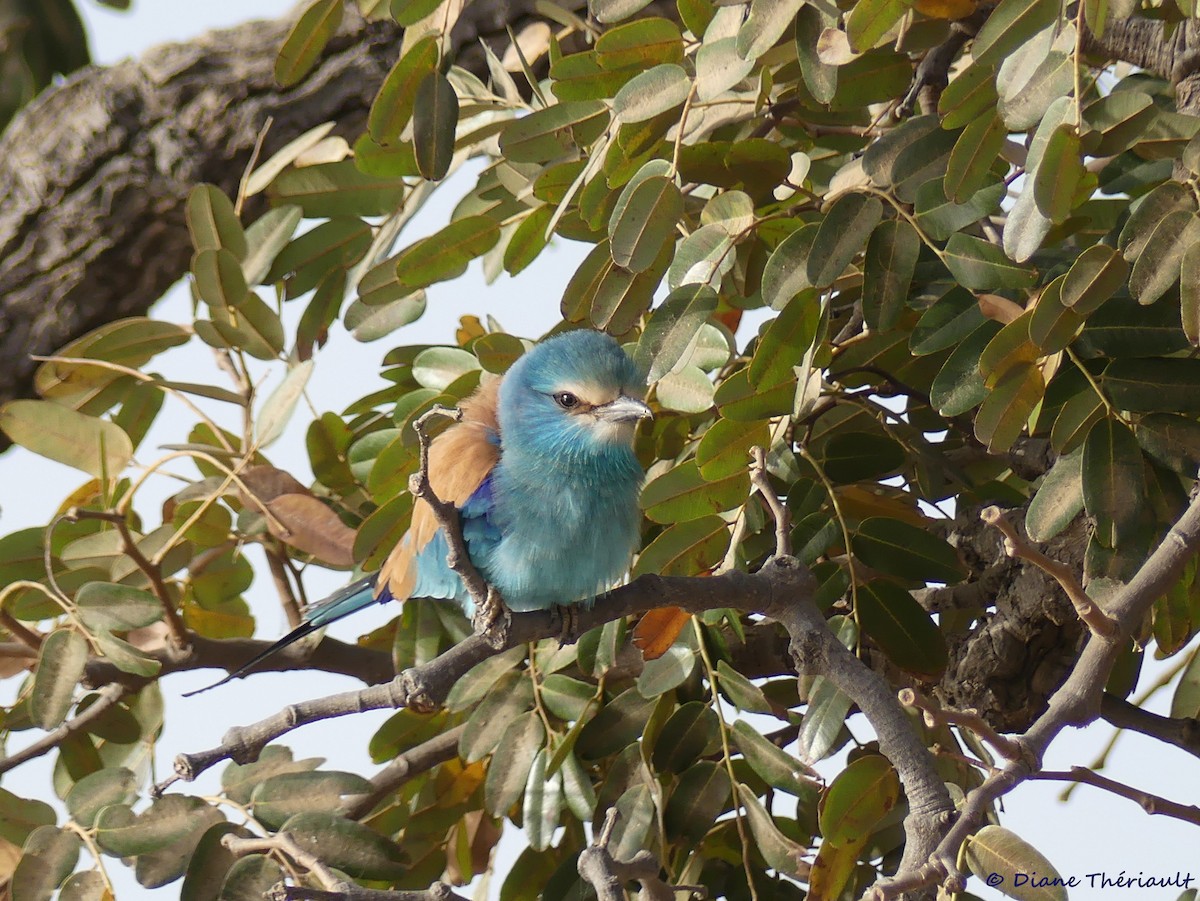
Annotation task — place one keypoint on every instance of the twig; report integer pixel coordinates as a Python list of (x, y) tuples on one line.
[(1152, 804), (491, 615), (1181, 731), (408, 765), (106, 698), (934, 69), (439, 891), (783, 520), (30, 639), (285, 843), (279, 575), (965, 719), (176, 630), (250, 164), (1015, 545), (607, 875)]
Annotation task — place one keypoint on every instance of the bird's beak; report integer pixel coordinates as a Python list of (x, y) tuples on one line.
[(624, 409)]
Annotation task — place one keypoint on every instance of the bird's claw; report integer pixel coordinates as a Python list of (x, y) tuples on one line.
[(568, 616), (492, 620)]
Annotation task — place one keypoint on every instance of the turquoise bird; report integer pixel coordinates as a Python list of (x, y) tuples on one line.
[(543, 473)]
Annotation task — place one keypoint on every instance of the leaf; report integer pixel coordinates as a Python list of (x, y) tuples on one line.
[(858, 798), (392, 107), (1052, 326), (825, 716), (681, 494), (346, 845), (1174, 441), (615, 10), (310, 526), (116, 608), (508, 770), (266, 173), (338, 189), (784, 343), (649, 93), (685, 549), (435, 117), (980, 265), (786, 272), (1026, 227), (219, 278), (775, 766), (1093, 278), (92, 445), (307, 39), (672, 328), (93, 793), (445, 254), (970, 163), (687, 735), (1189, 293), (1149, 386), (699, 797), (944, 325), (266, 237), (1157, 267), (1059, 174), (902, 628), (779, 851), (510, 696), (719, 67), (646, 221), (1059, 498), (277, 410), (1114, 485), (870, 20), (851, 456), (900, 549), (725, 447), (212, 222), (549, 133), (1010, 25), (941, 218), (892, 252), (1007, 408), (618, 723), (49, 856), (688, 390), (765, 25), (1117, 121), (819, 78), (543, 802), (126, 657), (641, 44), (60, 667), (131, 342), (1148, 212), (995, 851), (168, 819), (528, 241), (840, 236)]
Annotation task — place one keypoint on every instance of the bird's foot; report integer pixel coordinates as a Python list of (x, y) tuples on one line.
[(492, 620), (568, 617)]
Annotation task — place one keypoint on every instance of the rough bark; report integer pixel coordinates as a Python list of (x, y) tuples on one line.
[(95, 172)]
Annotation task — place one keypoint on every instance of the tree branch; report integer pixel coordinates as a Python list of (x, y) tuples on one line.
[(408, 765), (1182, 732), (107, 697), (1152, 804)]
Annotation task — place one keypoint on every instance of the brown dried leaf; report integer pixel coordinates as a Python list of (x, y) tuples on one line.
[(312, 527), (1001, 309)]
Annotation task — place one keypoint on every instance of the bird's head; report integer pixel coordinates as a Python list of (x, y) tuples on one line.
[(575, 393)]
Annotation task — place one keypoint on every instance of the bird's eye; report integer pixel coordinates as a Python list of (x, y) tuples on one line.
[(566, 400)]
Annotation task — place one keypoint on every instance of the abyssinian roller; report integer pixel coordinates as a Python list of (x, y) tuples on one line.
[(542, 470)]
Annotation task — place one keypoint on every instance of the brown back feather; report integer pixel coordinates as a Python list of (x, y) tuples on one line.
[(459, 460)]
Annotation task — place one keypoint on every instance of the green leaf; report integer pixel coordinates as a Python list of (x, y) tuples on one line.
[(901, 627), (618, 723), (1093, 278), (858, 798), (1026, 227), (509, 698), (565, 697), (508, 770), (1074, 420), (737, 399), (212, 222), (786, 272), (409, 12), (741, 691), (435, 117), (1149, 386), (689, 390), (642, 43), (219, 278), (980, 265), (49, 856), (1059, 498), (348, 846), (528, 241), (1186, 700), (685, 549), (672, 329), (1052, 325), (548, 134), (944, 325), (699, 797), (92, 445), (116, 608), (1114, 483), (969, 167), (901, 549), (393, 105), (167, 820), (891, 260), (941, 218), (1148, 212), (785, 341), (690, 732), (60, 667), (725, 447), (1059, 174), (1007, 408), (1172, 440), (250, 878), (644, 223), (94, 792), (543, 802), (278, 408), (993, 850), (1010, 25), (445, 254), (1189, 293), (286, 794), (968, 96), (338, 189), (666, 672), (779, 851), (870, 20), (681, 494), (851, 456), (775, 766), (131, 342), (615, 10), (652, 92), (1157, 267), (765, 25), (1116, 121), (840, 236), (303, 46), (266, 237), (126, 657)]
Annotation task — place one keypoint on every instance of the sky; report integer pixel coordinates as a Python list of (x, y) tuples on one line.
[(1094, 832)]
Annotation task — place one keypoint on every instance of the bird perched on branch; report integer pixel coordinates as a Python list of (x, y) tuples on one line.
[(542, 470)]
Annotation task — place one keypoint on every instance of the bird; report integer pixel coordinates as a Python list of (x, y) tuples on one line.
[(542, 470)]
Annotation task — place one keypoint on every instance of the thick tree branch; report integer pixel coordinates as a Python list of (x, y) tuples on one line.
[(1182, 732), (408, 765)]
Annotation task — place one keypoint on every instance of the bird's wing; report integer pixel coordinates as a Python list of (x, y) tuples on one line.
[(460, 461)]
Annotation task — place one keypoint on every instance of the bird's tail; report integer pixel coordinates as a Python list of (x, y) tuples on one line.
[(354, 597)]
